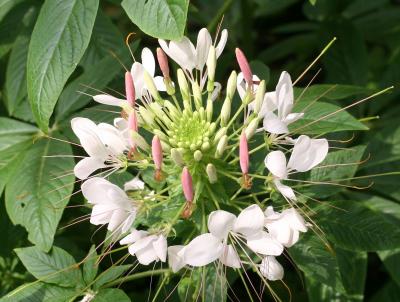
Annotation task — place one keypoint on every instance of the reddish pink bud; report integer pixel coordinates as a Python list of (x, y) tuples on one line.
[(244, 66), (156, 151), (244, 153), (129, 88), (187, 184), (132, 121), (163, 62)]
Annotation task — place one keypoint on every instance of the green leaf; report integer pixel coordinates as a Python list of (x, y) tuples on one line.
[(59, 39), (216, 285), (97, 76), (360, 226), (391, 260), (328, 91), (9, 126), (110, 274), (111, 294), (164, 19), (39, 292), (90, 267), (320, 118), (56, 267), (337, 165), (312, 257), (15, 86), (390, 292), (318, 292), (38, 192), (6, 6), (313, 2)]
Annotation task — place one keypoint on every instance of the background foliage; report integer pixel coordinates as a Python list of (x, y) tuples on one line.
[(51, 49)]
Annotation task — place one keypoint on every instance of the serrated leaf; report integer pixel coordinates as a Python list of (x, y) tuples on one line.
[(320, 118), (10, 126), (90, 266), (312, 257), (164, 19), (39, 292), (110, 274), (57, 267), (59, 39), (40, 189), (360, 226), (111, 294)]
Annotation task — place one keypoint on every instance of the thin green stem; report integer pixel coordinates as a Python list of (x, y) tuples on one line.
[(137, 276)]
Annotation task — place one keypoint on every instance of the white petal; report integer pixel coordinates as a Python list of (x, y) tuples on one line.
[(138, 79), (148, 61), (295, 220), (202, 250), (183, 53), (222, 42), (87, 166), (112, 139), (134, 184), (216, 91), (263, 243), (271, 269), (202, 48), (142, 243), (273, 124), (307, 153), (292, 117), (281, 231), (159, 82), (160, 248), (275, 162), (229, 257), (101, 214), (109, 100), (220, 223), (284, 91), (98, 190), (174, 260), (87, 132), (249, 221), (134, 236), (146, 255), (117, 219), (285, 190)]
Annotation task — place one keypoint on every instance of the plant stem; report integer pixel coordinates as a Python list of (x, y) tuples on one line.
[(137, 276)]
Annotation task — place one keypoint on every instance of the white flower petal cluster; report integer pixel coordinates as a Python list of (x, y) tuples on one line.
[(111, 205), (265, 234), (104, 143)]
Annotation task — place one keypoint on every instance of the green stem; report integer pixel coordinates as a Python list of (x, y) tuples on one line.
[(137, 276)]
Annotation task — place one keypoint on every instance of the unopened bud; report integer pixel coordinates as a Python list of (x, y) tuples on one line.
[(226, 112), (187, 184), (156, 151), (259, 97), (163, 62), (176, 156), (173, 111), (161, 135), (197, 95), (252, 128), (132, 121), (212, 173), (220, 133), (209, 109), (197, 155), (244, 67), (139, 141), (221, 146), (211, 65), (151, 87), (129, 89), (244, 153), (147, 116), (231, 85), (184, 87)]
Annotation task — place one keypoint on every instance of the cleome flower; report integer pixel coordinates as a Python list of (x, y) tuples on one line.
[(111, 205), (306, 154), (105, 145)]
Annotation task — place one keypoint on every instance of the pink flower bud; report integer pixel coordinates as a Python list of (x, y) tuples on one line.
[(129, 88), (156, 151), (244, 66), (163, 62), (132, 121), (187, 184), (244, 153)]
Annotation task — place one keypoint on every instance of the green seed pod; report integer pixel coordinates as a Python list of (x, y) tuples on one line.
[(209, 109), (184, 87), (221, 132), (251, 128), (197, 95)]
